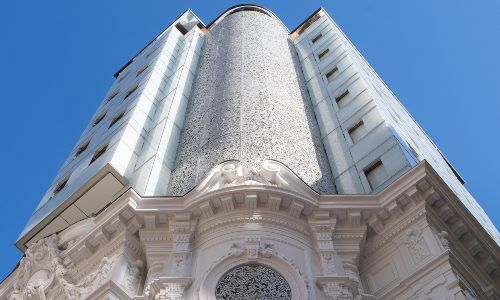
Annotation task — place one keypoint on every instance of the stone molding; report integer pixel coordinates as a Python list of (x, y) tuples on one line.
[(168, 288), (338, 224), (254, 250)]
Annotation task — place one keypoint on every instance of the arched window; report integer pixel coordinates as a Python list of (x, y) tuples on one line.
[(251, 282)]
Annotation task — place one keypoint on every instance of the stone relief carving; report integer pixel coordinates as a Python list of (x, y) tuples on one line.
[(416, 244), (134, 275), (328, 262), (443, 238), (337, 291), (233, 173), (171, 291), (253, 248), (180, 262), (43, 265)]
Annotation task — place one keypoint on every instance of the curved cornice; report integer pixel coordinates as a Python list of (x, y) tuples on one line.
[(245, 7)]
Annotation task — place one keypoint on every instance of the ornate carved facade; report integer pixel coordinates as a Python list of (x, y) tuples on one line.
[(262, 229), (394, 245)]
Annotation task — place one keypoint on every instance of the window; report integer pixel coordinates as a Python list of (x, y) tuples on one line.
[(141, 70), (130, 92), (322, 54), (116, 119), (98, 119), (98, 153), (376, 174), (316, 38), (340, 99), (357, 131), (330, 74), (113, 95), (181, 28), (151, 52), (60, 186), (123, 76), (82, 148)]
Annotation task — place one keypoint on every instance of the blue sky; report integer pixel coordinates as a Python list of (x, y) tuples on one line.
[(441, 58)]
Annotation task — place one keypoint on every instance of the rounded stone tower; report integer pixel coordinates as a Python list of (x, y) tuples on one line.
[(249, 103)]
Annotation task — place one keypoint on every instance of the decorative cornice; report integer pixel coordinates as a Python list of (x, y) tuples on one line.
[(256, 217), (394, 231)]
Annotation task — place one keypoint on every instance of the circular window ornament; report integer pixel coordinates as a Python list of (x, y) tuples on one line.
[(251, 282)]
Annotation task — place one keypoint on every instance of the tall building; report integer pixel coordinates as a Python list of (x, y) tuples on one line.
[(242, 160)]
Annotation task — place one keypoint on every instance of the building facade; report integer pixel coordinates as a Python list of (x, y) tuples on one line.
[(242, 160)]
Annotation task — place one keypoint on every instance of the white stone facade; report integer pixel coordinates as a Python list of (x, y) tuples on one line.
[(315, 184), (411, 241)]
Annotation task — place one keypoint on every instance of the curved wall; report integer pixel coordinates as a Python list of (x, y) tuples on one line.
[(249, 103)]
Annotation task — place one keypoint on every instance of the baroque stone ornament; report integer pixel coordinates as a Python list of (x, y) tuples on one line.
[(443, 238), (168, 288), (233, 173), (337, 291), (416, 244), (43, 265), (134, 271), (252, 282), (253, 248)]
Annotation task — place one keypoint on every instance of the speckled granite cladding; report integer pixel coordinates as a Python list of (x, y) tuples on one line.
[(250, 103)]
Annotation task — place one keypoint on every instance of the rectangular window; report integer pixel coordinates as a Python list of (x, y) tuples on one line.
[(82, 148), (340, 99), (60, 186), (316, 38), (98, 119), (141, 70), (113, 95), (122, 76), (132, 90), (322, 54), (181, 28), (116, 119), (331, 74), (151, 52), (376, 174), (98, 153), (357, 131)]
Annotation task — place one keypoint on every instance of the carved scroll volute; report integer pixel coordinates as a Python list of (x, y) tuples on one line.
[(182, 227), (322, 227)]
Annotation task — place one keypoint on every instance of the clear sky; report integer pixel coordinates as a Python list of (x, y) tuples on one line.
[(441, 58)]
